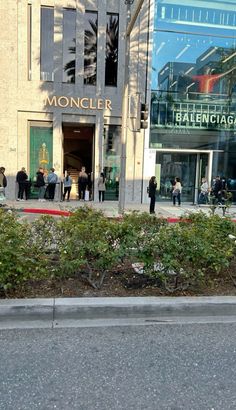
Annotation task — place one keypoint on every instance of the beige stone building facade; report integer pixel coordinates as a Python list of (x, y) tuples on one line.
[(61, 86)]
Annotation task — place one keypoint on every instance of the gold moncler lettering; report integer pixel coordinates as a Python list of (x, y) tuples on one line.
[(83, 103)]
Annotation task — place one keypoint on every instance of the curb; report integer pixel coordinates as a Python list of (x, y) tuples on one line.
[(115, 308), (55, 212)]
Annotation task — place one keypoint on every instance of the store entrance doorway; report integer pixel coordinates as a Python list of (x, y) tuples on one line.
[(78, 153), (190, 166)]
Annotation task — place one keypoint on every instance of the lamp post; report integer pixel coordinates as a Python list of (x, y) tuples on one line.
[(125, 104)]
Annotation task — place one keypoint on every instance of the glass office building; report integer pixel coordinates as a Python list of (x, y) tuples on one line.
[(193, 93)]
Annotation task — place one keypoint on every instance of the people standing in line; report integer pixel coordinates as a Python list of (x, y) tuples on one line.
[(82, 183), (3, 183), (216, 189), (22, 179), (52, 181), (101, 187), (204, 190), (67, 182), (177, 190), (152, 187), (40, 183)]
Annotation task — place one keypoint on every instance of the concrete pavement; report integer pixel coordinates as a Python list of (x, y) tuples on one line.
[(110, 208), (52, 312)]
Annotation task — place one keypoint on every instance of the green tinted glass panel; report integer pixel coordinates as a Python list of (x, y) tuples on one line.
[(40, 149)]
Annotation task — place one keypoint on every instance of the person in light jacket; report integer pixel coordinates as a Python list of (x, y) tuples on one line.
[(67, 182), (177, 190), (101, 187), (203, 196), (52, 181)]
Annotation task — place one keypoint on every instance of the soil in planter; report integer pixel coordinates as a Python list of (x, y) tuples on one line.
[(121, 283)]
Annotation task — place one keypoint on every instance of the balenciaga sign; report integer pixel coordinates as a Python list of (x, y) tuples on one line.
[(201, 118), (84, 103)]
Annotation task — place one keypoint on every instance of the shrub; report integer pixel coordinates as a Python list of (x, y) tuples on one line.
[(16, 261), (89, 245), (187, 251)]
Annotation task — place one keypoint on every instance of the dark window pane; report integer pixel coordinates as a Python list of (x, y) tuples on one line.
[(69, 45), (112, 37), (47, 43), (90, 48)]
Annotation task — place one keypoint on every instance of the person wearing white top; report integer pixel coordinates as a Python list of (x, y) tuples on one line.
[(203, 196), (177, 189)]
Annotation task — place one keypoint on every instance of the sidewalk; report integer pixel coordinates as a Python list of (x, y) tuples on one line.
[(110, 208)]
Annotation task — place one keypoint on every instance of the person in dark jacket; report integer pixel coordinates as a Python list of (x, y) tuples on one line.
[(22, 179), (40, 183), (152, 193), (3, 183), (216, 189), (3, 179)]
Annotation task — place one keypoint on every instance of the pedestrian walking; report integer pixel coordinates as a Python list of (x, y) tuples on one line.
[(177, 190), (216, 189), (67, 182), (152, 187), (204, 191), (101, 187)]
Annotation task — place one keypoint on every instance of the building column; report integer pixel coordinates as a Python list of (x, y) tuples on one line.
[(58, 144)]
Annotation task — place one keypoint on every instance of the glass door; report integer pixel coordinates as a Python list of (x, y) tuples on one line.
[(170, 165)]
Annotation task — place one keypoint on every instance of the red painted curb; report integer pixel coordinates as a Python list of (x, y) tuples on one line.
[(46, 211), (68, 213)]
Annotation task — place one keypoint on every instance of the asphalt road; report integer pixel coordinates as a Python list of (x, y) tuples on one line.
[(181, 366)]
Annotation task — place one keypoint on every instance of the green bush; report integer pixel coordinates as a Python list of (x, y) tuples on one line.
[(89, 244), (17, 261), (187, 251)]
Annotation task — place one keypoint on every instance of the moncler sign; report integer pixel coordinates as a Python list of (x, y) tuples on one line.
[(84, 103)]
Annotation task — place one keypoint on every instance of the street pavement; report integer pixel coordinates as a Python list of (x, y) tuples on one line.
[(158, 367), (110, 208)]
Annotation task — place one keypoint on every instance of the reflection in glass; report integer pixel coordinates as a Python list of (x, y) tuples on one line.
[(112, 37), (69, 45), (172, 165), (90, 48), (47, 44), (193, 81), (111, 160), (205, 17), (187, 63)]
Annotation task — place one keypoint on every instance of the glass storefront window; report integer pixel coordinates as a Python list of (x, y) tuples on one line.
[(90, 48), (112, 38), (202, 17), (111, 160), (193, 65), (47, 44), (193, 99), (69, 45)]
